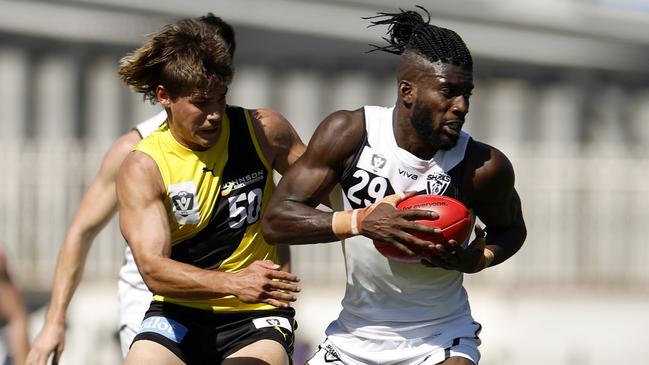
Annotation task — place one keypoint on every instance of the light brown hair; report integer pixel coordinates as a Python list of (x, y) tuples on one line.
[(188, 58)]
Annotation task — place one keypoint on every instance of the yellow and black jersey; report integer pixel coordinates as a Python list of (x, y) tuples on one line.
[(215, 200)]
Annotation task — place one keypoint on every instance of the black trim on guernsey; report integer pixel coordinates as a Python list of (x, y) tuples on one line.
[(447, 351), (351, 162), (477, 332), (138, 133), (348, 179), (217, 241)]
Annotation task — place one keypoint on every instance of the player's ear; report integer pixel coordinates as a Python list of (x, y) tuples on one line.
[(162, 96), (407, 92)]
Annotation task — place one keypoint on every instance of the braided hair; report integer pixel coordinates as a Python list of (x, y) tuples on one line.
[(407, 30)]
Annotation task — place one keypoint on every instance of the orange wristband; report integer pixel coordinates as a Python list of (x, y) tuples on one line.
[(349, 223)]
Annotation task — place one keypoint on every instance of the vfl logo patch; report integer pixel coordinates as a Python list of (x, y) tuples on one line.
[(165, 327), (184, 202), (374, 161), (437, 183), (378, 161)]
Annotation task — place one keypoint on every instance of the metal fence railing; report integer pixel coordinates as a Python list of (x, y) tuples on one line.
[(586, 218)]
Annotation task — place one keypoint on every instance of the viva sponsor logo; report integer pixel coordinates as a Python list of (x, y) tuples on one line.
[(407, 174)]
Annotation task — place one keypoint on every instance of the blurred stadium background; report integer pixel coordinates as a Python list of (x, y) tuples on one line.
[(562, 87)]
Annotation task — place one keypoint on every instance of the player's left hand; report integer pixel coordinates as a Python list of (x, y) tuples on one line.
[(452, 256)]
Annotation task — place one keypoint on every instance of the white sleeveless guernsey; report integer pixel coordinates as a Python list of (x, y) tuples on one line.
[(385, 298)]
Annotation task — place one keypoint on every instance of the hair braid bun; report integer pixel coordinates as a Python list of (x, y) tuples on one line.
[(409, 30), (404, 25)]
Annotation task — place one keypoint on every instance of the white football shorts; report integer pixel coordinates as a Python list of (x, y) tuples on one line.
[(457, 338), (133, 303)]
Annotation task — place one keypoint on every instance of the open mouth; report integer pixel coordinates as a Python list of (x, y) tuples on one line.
[(454, 127)]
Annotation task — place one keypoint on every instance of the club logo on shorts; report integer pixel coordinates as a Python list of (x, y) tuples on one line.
[(331, 354), (437, 183), (272, 322), (184, 202), (165, 327)]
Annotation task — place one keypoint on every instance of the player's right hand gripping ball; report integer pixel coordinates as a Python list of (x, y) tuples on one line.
[(455, 221)]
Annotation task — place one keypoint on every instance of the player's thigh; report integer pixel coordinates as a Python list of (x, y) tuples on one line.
[(262, 352), (146, 352), (457, 360)]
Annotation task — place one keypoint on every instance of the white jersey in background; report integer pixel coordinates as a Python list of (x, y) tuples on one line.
[(4, 345), (133, 295), (395, 312)]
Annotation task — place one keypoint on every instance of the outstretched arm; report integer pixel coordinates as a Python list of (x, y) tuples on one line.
[(144, 224), (97, 206), (13, 310)]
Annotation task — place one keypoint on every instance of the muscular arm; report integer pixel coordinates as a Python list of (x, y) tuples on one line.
[(282, 146), (97, 206), (291, 217), (279, 141), (498, 206), (144, 224), (495, 201), (13, 311)]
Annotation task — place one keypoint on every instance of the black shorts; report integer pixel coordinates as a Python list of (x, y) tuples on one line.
[(199, 336)]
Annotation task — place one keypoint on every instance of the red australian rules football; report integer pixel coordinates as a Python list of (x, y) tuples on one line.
[(455, 221)]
